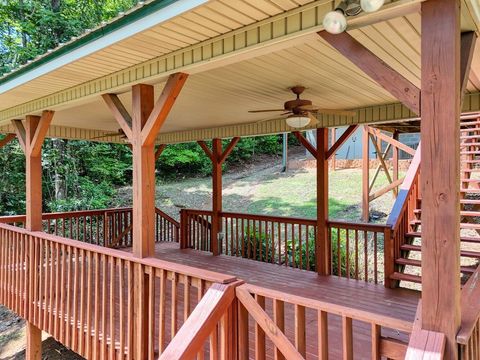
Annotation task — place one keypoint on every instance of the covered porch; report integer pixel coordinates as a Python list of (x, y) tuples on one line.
[(135, 283)]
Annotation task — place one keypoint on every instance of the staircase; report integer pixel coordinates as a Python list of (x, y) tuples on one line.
[(406, 217)]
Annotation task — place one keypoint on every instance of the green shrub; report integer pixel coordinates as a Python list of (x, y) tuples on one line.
[(258, 241)]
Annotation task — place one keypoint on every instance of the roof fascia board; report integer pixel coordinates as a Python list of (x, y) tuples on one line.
[(98, 40)]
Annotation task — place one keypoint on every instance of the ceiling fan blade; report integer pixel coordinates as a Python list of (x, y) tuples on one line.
[(108, 135), (268, 110), (272, 118)]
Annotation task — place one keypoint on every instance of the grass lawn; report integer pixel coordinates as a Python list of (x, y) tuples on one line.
[(265, 190)]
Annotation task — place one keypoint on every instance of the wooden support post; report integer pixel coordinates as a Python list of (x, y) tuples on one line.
[(322, 245), (217, 199), (333, 158), (31, 137), (395, 158), (141, 129), (440, 136), (217, 156), (365, 175)]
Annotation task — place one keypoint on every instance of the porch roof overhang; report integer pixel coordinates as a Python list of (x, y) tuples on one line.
[(239, 58)]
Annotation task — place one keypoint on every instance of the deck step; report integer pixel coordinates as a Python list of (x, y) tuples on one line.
[(470, 191), (464, 253), (406, 277), (463, 225), (469, 123), (462, 213), (418, 263), (469, 202), (470, 152), (467, 239), (467, 137), (470, 180)]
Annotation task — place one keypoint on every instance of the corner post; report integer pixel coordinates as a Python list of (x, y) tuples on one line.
[(31, 138), (365, 175), (322, 247), (440, 180), (395, 157), (216, 194)]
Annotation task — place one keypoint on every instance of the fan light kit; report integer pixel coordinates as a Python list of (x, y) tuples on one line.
[(297, 121), (301, 112), (335, 22)]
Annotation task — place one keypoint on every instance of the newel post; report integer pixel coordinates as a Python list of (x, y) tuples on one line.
[(440, 180), (322, 243), (31, 138)]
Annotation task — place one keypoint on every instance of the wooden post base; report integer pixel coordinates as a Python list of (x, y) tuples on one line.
[(34, 342)]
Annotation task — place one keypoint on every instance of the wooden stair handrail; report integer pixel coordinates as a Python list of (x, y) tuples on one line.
[(167, 217), (404, 190), (278, 338), (191, 337), (470, 298)]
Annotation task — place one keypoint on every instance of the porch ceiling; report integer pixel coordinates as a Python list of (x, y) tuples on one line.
[(220, 95)]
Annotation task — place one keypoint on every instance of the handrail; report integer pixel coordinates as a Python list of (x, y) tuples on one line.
[(405, 190), (470, 307), (199, 325), (124, 255), (167, 217)]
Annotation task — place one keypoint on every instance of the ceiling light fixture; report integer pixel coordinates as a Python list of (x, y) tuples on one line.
[(335, 22), (297, 121)]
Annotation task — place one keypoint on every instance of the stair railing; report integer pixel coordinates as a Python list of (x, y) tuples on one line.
[(403, 212)]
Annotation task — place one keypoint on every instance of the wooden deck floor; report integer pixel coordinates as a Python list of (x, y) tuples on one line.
[(397, 303)]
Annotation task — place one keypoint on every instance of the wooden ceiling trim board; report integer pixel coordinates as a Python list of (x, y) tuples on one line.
[(234, 16), (221, 18), (215, 26)]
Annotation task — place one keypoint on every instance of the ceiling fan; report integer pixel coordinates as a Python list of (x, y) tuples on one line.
[(120, 133), (301, 111)]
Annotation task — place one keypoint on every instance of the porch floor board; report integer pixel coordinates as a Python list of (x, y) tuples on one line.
[(396, 303)]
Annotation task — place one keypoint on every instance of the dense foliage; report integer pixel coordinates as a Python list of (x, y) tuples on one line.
[(31, 27), (79, 174), (84, 175)]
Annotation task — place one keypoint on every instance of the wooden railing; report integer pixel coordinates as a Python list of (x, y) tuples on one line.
[(403, 211), (281, 322), (196, 229), (107, 227), (468, 337), (356, 248), (84, 295)]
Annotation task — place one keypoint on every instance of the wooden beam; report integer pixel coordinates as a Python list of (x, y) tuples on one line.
[(162, 107), (378, 168), (392, 141), (40, 133), (467, 49), (120, 113), (392, 186), (333, 158), (207, 151), (311, 149), (159, 151), (440, 169), (8, 138), (381, 159), (377, 69), (229, 149), (21, 134), (343, 138), (322, 244), (365, 174)]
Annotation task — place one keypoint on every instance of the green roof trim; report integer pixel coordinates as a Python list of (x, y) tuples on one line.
[(90, 37)]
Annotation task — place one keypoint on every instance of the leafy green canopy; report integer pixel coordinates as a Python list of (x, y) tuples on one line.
[(31, 27)]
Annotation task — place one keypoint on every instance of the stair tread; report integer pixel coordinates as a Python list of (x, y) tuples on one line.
[(464, 253), (418, 263), (462, 212), (406, 277), (417, 234)]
